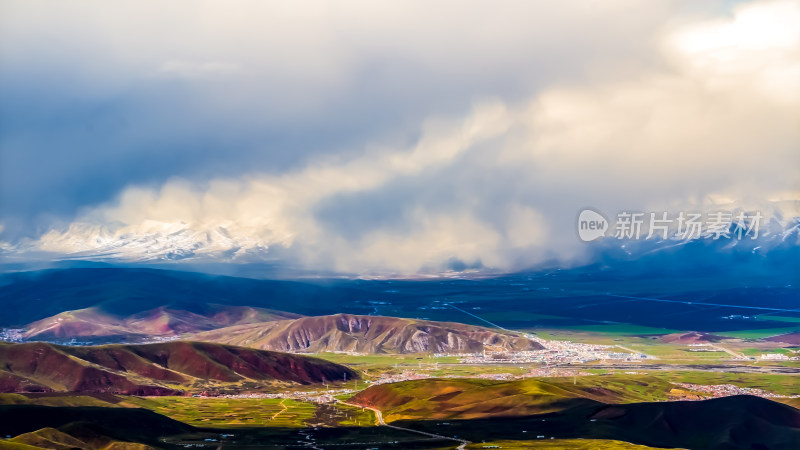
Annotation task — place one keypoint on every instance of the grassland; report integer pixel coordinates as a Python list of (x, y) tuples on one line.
[(779, 318), (760, 334), (666, 354), (776, 383), (760, 351), (223, 412), (474, 398), (252, 412), (58, 400), (374, 366), (11, 445), (621, 329)]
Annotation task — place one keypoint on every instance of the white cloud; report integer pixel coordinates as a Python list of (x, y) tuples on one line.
[(197, 69), (716, 117)]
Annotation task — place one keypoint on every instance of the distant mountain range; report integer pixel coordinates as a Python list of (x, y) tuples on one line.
[(171, 368), (368, 334)]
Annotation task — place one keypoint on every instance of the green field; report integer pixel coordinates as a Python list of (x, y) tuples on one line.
[(374, 366), (780, 318), (222, 412), (776, 383), (622, 329), (761, 351), (56, 400), (759, 334), (253, 412)]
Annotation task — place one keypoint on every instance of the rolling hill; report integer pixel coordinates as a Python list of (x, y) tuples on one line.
[(692, 337), (86, 427), (476, 398), (618, 408), (55, 439), (789, 338), (93, 324), (171, 368), (367, 334)]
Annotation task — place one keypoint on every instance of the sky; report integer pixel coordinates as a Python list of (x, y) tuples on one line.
[(386, 137)]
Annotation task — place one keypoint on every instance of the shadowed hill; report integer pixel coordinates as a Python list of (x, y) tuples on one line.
[(52, 438), (119, 292), (728, 422), (367, 334), (95, 426), (152, 369), (789, 338), (740, 422)]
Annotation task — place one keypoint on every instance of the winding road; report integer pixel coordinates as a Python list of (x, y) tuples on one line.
[(379, 421), (281, 411)]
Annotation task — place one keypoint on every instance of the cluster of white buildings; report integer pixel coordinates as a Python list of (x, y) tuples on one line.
[(544, 372), (550, 357), (778, 357), (326, 396), (555, 352), (11, 334), (726, 390)]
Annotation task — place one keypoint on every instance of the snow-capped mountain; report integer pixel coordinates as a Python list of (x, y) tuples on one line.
[(778, 240), (156, 242)]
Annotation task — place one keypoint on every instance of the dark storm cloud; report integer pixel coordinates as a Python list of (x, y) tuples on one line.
[(99, 97)]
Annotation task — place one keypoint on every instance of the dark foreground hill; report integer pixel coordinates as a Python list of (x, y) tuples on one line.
[(368, 334), (86, 427), (728, 423), (171, 368)]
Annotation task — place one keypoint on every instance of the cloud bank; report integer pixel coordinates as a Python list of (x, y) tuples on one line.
[(508, 122)]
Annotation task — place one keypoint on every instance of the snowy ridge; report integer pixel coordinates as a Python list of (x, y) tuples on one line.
[(157, 241), (161, 241)]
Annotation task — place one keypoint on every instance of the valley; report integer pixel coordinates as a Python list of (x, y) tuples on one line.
[(267, 366)]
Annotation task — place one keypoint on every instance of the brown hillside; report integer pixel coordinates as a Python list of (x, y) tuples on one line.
[(367, 334), (789, 338), (94, 322), (692, 337), (152, 369), (50, 438)]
